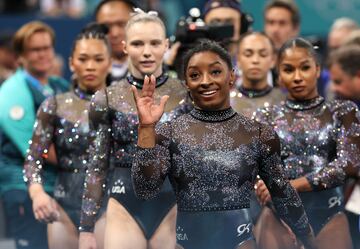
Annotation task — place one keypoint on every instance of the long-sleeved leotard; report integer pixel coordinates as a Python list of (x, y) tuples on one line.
[(114, 118), (318, 140), (63, 121), (212, 159)]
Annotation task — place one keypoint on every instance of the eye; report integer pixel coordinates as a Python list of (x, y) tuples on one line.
[(99, 59), (136, 43), (82, 59), (194, 75), (288, 70), (216, 72), (305, 67)]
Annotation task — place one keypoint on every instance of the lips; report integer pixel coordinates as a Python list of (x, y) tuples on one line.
[(147, 63), (208, 93), (90, 77), (298, 88)]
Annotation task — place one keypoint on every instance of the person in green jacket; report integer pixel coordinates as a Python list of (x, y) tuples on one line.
[(20, 97)]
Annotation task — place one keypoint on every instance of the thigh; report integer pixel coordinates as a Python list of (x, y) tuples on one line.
[(21, 223), (335, 234), (121, 230), (271, 233), (62, 233), (165, 235), (100, 231)]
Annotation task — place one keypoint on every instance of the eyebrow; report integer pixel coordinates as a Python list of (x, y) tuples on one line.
[(211, 64)]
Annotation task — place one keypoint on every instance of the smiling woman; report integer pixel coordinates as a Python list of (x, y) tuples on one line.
[(212, 156)]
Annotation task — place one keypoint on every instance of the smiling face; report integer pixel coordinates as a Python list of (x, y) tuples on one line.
[(146, 45), (298, 72), (90, 62), (38, 55), (209, 80)]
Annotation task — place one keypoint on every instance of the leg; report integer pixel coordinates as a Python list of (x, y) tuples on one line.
[(165, 235), (63, 233), (99, 231), (122, 231), (335, 234), (21, 223), (250, 244), (271, 233)]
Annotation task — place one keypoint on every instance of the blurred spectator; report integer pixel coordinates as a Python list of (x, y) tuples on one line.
[(58, 66), (282, 21), (20, 97), (344, 66), (353, 38), (115, 14), (71, 8), (18, 6), (8, 62), (339, 31), (225, 12)]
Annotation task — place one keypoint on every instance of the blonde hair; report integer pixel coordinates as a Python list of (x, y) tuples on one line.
[(140, 16), (26, 31)]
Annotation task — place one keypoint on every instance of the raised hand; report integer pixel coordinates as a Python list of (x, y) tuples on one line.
[(148, 111)]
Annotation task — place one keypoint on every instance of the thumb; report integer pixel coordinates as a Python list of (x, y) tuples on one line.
[(163, 101)]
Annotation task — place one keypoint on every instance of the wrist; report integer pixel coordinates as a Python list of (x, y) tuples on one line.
[(35, 189)]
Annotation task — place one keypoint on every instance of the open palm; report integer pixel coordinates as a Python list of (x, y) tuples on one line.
[(148, 111)]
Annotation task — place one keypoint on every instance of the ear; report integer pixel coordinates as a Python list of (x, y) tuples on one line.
[(273, 60), (318, 71), (71, 64), (124, 47), (167, 43), (232, 77)]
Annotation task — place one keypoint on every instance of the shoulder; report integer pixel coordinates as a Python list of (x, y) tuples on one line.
[(15, 98), (342, 107)]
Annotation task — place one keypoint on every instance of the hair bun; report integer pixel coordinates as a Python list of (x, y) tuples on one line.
[(96, 28)]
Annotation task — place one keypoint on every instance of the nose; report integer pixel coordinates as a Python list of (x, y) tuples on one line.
[(206, 81), (297, 77), (90, 65), (147, 51), (255, 59)]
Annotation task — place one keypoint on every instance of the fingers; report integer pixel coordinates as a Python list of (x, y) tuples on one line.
[(262, 192), (135, 93), (148, 86)]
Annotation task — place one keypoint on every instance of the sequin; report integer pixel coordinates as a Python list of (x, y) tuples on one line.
[(114, 119), (318, 138)]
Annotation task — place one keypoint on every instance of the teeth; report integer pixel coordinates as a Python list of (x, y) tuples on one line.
[(208, 92)]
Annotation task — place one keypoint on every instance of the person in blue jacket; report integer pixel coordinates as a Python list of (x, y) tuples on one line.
[(20, 97)]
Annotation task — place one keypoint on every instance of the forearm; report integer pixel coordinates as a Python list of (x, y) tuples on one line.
[(301, 184)]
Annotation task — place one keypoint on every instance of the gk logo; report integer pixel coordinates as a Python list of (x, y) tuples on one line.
[(333, 201), (243, 228)]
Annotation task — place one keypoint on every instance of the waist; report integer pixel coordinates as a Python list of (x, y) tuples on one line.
[(182, 208)]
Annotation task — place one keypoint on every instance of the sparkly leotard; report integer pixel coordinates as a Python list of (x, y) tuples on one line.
[(63, 121), (212, 159), (318, 139), (114, 118)]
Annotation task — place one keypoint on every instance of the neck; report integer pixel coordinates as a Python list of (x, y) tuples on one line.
[(255, 84), (41, 77), (91, 90)]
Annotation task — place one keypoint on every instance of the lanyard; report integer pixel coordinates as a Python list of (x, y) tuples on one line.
[(46, 90)]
